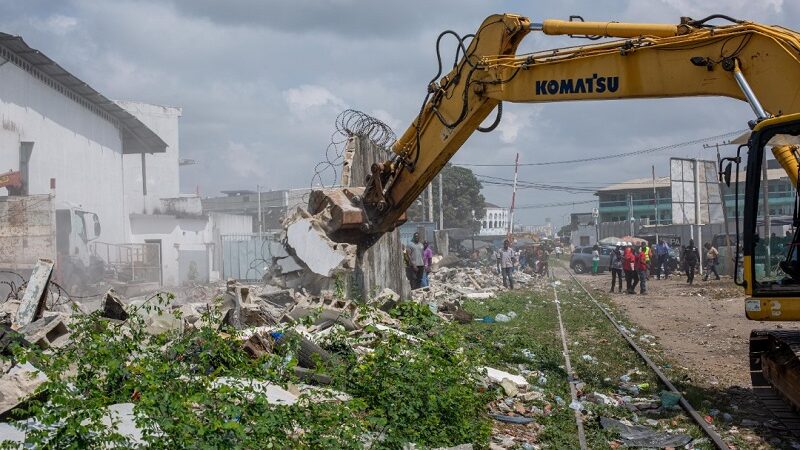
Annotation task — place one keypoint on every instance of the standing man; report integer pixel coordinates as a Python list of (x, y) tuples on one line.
[(427, 258), (629, 266), (507, 260), (690, 258), (615, 266), (662, 255), (712, 259), (417, 261), (641, 269)]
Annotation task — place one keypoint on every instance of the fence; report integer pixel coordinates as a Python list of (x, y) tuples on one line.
[(248, 257), (140, 263)]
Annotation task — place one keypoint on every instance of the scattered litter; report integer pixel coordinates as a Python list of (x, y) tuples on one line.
[(641, 436), (512, 419)]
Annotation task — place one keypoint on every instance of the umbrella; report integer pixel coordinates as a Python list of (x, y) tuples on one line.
[(633, 240), (611, 240)]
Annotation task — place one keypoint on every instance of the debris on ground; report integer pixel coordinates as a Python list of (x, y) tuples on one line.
[(641, 436)]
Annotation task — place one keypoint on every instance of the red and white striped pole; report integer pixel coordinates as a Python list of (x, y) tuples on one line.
[(513, 198)]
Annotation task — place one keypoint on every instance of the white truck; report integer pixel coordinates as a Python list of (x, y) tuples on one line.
[(33, 227)]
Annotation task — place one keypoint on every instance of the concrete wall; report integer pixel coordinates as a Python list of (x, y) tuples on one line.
[(162, 169), (380, 266), (183, 237), (72, 144)]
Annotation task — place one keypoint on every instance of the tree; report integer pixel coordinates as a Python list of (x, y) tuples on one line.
[(461, 198)]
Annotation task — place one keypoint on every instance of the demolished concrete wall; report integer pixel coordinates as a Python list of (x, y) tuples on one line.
[(380, 266)]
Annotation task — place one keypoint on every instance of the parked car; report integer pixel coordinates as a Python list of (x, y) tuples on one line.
[(581, 260)]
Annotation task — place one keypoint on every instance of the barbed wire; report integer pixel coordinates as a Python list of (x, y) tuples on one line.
[(349, 123)]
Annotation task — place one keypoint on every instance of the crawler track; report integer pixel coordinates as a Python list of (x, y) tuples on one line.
[(712, 435), (785, 345)]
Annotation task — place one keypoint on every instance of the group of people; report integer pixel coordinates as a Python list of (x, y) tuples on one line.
[(508, 260), (418, 257), (636, 263)]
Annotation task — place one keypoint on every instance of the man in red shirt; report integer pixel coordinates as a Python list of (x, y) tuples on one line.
[(641, 270), (629, 266)]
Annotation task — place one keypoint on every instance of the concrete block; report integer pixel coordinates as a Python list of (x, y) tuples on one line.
[(112, 306), (18, 384), (32, 305), (313, 247), (497, 376), (46, 332)]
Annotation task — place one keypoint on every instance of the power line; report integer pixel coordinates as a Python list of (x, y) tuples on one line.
[(555, 205), (617, 155)]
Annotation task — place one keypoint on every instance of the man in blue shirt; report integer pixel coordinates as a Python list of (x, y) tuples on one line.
[(662, 254)]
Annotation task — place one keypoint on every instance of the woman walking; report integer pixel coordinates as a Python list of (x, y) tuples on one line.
[(595, 259)]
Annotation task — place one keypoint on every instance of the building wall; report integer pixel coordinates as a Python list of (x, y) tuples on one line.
[(194, 237), (162, 169), (614, 206), (77, 147), (494, 222)]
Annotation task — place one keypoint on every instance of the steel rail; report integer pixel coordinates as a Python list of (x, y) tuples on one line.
[(571, 378), (713, 435)]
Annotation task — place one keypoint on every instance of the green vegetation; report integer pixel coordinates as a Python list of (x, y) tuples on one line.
[(402, 391)]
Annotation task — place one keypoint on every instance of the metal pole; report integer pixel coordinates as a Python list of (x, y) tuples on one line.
[(513, 197), (441, 208), (430, 202), (260, 222), (767, 221), (655, 198), (699, 244), (630, 212)]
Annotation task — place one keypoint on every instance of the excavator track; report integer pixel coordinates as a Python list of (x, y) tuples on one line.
[(775, 374)]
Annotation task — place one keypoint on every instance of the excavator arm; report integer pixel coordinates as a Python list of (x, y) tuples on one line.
[(652, 61), (742, 60)]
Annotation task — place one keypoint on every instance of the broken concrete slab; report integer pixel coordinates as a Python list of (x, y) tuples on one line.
[(50, 331), (274, 394), (121, 418), (112, 306), (32, 304), (18, 384), (307, 238), (497, 376)]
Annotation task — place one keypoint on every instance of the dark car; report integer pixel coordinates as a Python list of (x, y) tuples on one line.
[(581, 260)]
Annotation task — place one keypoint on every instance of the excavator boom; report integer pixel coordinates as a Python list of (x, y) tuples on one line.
[(742, 60)]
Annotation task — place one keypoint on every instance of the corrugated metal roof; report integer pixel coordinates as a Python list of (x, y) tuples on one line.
[(136, 136)]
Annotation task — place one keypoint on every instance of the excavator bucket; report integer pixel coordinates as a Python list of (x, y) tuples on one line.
[(342, 214)]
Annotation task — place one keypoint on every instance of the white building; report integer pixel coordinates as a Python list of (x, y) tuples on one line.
[(117, 159), (495, 221), (54, 126)]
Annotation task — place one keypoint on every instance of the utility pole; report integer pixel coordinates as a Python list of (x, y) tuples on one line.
[(630, 212), (697, 215), (655, 200), (430, 202), (441, 208), (260, 222), (513, 197)]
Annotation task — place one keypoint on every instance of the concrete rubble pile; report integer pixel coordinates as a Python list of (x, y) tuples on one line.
[(451, 285)]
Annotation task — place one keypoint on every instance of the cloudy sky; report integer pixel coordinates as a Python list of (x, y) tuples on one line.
[(261, 83)]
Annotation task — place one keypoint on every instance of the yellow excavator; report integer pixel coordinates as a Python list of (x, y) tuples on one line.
[(744, 60)]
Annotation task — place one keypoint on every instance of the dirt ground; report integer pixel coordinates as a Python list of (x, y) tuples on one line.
[(702, 327)]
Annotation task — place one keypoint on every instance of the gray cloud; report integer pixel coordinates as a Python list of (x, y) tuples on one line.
[(261, 82)]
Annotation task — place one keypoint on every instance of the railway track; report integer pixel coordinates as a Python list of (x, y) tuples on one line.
[(769, 397)]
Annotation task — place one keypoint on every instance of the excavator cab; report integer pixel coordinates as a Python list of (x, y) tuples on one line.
[(770, 233)]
